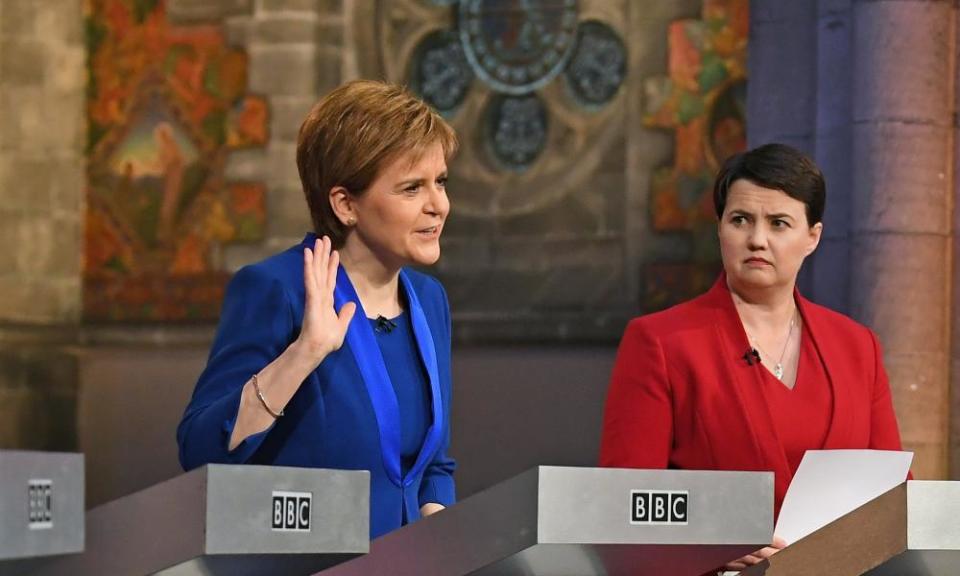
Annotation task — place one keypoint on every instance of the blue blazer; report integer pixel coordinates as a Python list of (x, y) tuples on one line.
[(330, 422)]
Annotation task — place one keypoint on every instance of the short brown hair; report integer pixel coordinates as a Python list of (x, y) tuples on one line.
[(352, 133), (778, 167)]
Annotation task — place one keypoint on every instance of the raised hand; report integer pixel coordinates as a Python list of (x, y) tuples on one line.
[(323, 327)]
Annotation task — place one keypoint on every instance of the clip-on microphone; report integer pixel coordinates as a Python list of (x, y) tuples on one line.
[(385, 324)]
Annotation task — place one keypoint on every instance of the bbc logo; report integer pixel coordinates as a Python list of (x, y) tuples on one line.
[(291, 511), (39, 504), (658, 507)]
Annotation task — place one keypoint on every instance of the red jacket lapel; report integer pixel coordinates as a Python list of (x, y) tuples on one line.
[(745, 384)]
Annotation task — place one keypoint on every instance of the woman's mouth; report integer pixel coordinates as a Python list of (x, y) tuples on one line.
[(757, 262), (429, 233)]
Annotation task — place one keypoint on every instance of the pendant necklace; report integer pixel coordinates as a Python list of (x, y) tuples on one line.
[(778, 368)]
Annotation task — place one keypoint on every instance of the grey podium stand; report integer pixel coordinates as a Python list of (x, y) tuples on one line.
[(41, 506), (236, 520), (912, 530), (561, 521)]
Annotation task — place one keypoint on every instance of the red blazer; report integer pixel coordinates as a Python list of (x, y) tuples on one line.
[(682, 395)]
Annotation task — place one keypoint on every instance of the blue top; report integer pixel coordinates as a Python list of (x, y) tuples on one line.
[(409, 380), (338, 418)]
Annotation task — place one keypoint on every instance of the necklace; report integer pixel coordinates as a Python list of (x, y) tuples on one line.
[(778, 368)]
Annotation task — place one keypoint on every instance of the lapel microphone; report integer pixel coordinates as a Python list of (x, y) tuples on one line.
[(751, 356), (385, 324)]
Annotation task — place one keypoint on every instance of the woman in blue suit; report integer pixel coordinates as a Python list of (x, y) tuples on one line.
[(333, 354)]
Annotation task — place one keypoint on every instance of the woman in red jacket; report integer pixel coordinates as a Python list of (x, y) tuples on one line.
[(750, 375)]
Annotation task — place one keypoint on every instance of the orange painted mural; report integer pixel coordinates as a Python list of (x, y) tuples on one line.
[(166, 106), (703, 102)]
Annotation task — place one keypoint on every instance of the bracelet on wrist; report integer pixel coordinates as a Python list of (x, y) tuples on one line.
[(263, 400)]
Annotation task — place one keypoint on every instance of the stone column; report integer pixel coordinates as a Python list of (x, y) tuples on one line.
[(782, 80), (902, 210), (829, 265), (955, 309), (782, 74), (42, 178), (295, 57)]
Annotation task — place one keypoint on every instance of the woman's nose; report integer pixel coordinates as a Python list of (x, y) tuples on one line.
[(758, 237), (437, 203)]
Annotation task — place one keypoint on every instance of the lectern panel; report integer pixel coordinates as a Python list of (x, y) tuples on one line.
[(41, 504), (259, 509), (219, 520), (621, 506), (561, 521)]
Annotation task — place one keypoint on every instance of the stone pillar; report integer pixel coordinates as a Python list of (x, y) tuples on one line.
[(902, 210), (955, 309), (782, 76), (782, 80), (42, 179), (829, 265), (295, 49)]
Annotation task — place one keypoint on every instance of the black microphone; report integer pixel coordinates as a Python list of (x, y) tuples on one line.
[(751, 355), (385, 324)]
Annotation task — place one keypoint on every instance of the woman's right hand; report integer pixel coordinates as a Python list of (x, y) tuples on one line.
[(757, 557), (323, 328)]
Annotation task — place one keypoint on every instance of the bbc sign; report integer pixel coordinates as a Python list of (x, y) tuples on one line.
[(39, 504), (658, 506), (291, 511)]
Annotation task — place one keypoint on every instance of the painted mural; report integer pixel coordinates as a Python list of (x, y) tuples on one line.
[(166, 106), (703, 102)]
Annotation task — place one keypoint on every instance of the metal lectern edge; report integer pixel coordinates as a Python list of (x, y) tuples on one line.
[(142, 533), (488, 526)]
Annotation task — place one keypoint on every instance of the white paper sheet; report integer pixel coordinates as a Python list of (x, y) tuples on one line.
[(831, 483)]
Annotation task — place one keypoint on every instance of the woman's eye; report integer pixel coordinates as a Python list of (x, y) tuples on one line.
[(780, 224), (737, 220), (442, 182)]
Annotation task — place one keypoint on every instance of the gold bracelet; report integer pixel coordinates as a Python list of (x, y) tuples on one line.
[(256, 386)]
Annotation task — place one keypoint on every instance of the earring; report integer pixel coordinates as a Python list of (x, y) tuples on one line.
[(351, 221)]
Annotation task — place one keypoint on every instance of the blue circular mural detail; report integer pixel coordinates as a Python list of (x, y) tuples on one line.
[(516, 129), (517, 46), (598, 66), (440, 72)]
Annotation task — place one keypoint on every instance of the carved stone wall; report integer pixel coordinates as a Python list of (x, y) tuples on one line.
[(553, 234), (42, 131)]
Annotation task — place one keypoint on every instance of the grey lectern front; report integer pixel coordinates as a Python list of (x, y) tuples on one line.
[(236, 520), (41, 505), (912, 530), (561, 521)]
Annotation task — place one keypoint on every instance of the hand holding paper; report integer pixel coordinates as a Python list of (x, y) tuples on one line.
[(830, 483)]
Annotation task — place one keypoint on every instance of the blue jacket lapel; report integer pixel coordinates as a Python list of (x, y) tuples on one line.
[(366, 352)]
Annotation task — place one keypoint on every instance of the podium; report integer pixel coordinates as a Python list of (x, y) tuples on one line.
[(41, 505), (220, 519), (561, 521), (912, 530)]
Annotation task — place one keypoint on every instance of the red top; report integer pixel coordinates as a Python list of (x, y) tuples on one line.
[(682, 395), (801, 416)]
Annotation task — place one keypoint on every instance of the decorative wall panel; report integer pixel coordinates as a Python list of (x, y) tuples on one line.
[(703, 102), (166, 106), (559, 230)]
